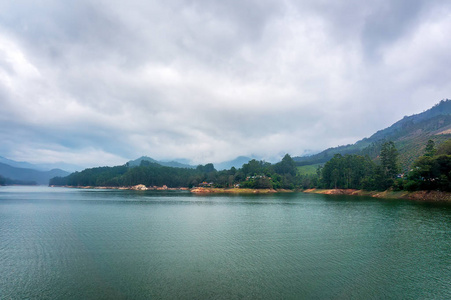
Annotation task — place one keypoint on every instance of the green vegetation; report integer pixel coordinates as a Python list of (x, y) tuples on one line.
[(360, 172), (409, 135), (412, 154), (432, 171), (348, 172), (308, 169), (255, 174)]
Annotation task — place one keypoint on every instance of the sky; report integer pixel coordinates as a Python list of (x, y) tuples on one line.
[(97, 83)]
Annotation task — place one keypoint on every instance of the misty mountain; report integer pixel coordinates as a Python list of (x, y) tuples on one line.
[(237, 163), (59, 165), (410, 135), (19, 164), (173, 164), (30, 175), (40, 167)]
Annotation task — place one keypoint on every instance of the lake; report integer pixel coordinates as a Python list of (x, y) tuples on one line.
[(58, 243)]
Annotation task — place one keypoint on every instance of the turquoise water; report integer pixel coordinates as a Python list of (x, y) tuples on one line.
[(58, 243)]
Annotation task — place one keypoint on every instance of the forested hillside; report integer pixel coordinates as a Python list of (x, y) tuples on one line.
[(254, 174), (410, 136), (432, 170)]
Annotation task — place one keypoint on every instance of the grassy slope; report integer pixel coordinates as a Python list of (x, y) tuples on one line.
[(308, 169)]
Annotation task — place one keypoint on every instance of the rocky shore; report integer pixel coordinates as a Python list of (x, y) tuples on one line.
[(138, 187), (202, 190), (425, 196), (196, 190)]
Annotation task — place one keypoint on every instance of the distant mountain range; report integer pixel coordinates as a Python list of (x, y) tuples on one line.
[(410, 136), (29, 175), (18, 164), (40, 167), (237, 163), (173, 164)]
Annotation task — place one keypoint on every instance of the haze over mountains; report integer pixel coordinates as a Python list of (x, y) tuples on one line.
[(237, 163), (28, 175), (41, 167)]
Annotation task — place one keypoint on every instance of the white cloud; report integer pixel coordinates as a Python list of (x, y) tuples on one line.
[(211, 81)]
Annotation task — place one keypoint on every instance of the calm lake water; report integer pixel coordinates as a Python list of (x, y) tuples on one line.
[(58, 243)]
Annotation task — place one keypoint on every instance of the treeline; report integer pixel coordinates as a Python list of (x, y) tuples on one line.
[(432, 171), (360, 172), (254, 174), (149, 174), (9, 181)]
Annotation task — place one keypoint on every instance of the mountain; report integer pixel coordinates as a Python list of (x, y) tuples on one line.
[(40, 167), (18, 164), (30, 175), (237, 163), (173, 164), (59, 165), (226, 165), (409, 134)]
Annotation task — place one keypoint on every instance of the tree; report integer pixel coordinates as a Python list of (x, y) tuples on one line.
[(347, 172), (433, 170), (430, 149), (286, 166), (255, 167), (208, 168), (389, 160)]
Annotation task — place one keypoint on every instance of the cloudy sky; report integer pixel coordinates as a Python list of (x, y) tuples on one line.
[(101, 82)]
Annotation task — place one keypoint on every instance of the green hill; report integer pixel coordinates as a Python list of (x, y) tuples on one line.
[(409, 134)]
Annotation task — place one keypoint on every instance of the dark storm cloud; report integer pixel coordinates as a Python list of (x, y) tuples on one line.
[(100, 82)]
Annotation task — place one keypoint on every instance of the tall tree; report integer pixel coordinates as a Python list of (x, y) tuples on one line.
[(349, 172), (432, 172), (389, 160), (286, 166)]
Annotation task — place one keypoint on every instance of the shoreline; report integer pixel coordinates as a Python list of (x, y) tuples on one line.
[(423, 196), (138, 187), (202, 190), (195, 190)]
